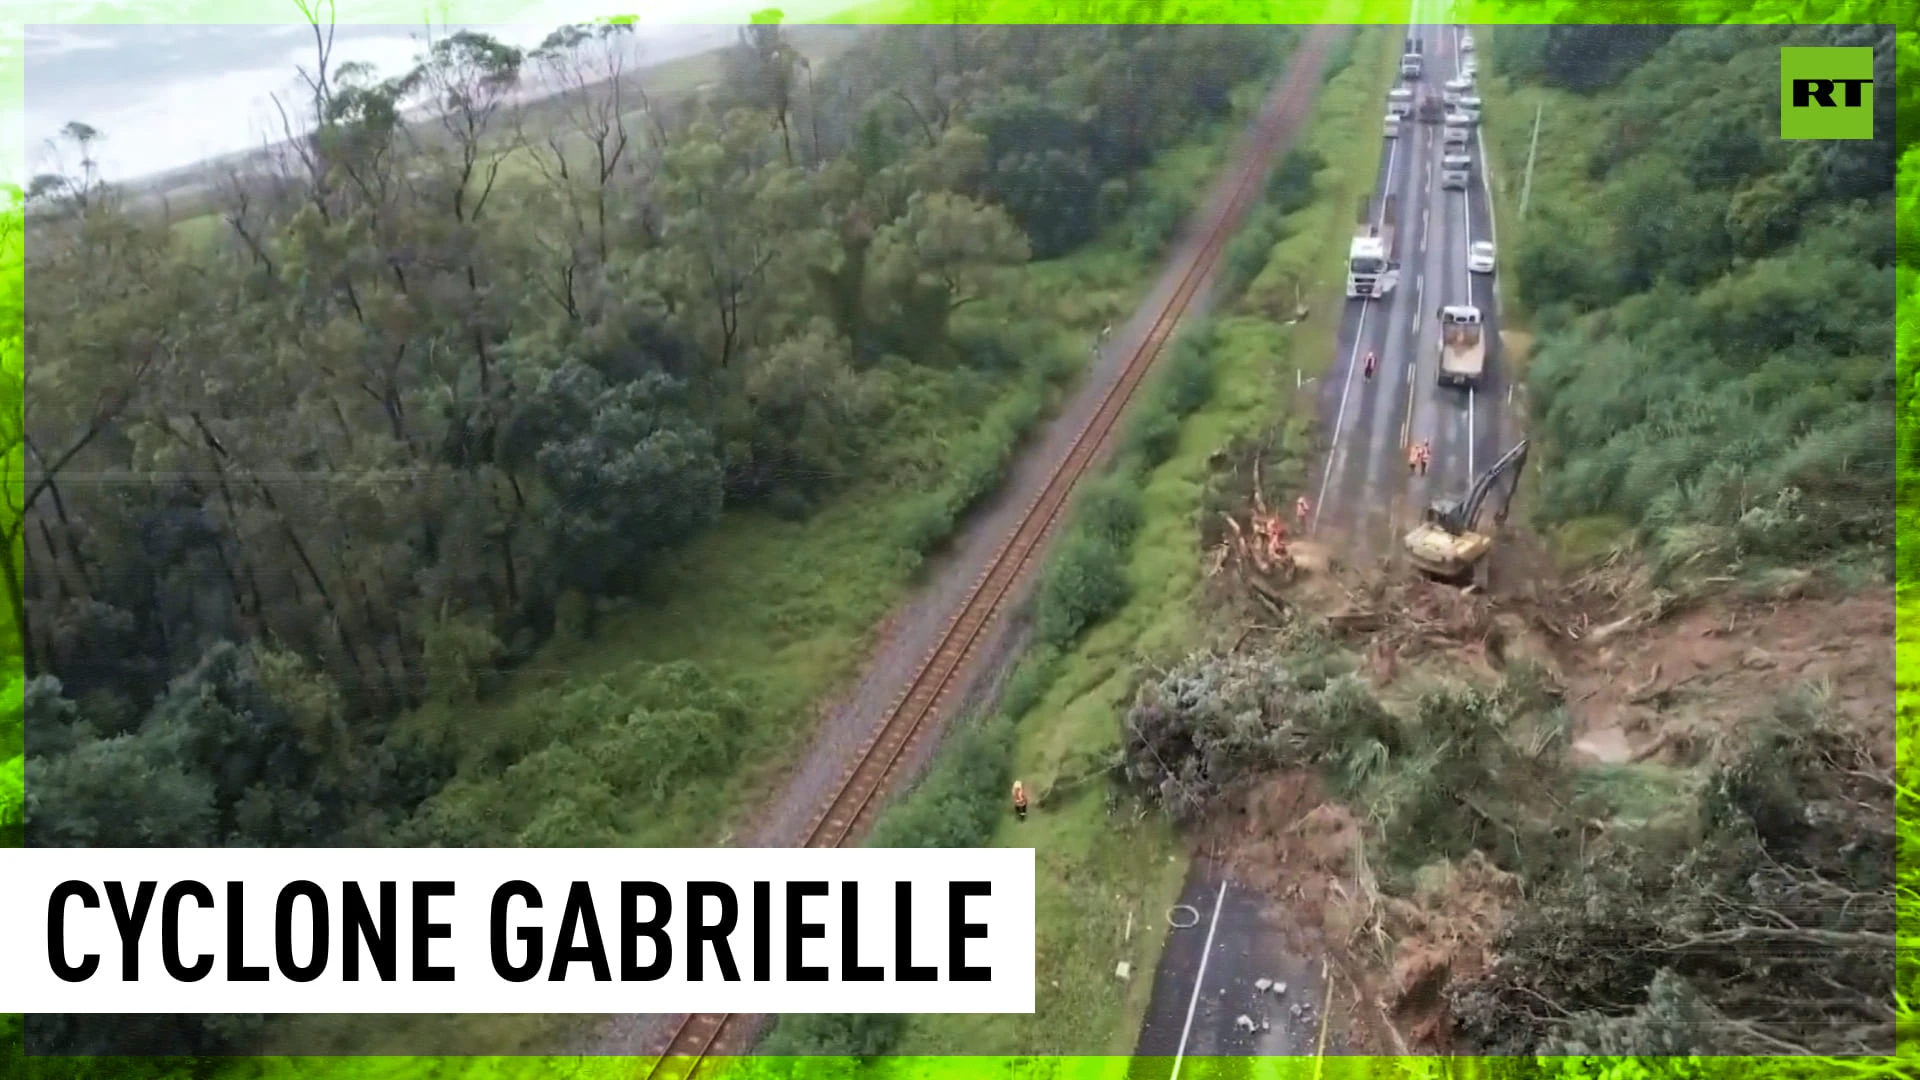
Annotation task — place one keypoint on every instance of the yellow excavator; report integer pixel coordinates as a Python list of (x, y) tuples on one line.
[(1446, 543)]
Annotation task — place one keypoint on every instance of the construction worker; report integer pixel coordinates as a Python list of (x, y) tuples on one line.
[(1413, 458), (1370, 364), (1301, 509), (1426, 456), (1019, 800)]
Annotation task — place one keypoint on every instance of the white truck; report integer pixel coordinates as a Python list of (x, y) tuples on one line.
[(1370, 256), (1410, 66), (1463, 346), (1400, 101), (1392, 126)]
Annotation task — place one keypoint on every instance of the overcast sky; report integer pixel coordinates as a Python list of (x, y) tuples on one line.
[(167, 96)]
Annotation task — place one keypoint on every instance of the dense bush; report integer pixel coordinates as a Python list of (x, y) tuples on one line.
[(1716, 323)]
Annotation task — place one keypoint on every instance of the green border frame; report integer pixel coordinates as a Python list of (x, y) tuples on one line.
[(1379, 12)]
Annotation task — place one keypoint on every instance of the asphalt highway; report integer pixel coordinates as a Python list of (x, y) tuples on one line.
[(1367, 497)]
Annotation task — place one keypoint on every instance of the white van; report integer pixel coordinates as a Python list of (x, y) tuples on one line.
[(1393, 126)]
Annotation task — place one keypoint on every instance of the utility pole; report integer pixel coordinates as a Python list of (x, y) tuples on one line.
[(1526, 185)]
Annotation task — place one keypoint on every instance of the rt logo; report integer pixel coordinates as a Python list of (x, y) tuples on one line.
[(1826, 93)]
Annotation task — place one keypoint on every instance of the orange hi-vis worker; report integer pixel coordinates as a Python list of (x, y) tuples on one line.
[(1020, 800)]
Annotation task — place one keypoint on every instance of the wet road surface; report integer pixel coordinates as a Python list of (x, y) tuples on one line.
[(1367, 495)]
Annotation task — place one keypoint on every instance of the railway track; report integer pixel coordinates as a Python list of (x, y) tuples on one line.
[(859, 795)]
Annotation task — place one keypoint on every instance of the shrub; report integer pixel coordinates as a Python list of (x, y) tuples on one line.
[(1084, 583)]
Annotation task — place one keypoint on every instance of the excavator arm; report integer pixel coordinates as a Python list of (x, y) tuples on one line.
[(1458, 517)]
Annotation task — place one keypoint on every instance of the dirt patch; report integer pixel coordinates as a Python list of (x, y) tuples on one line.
[(1287, 837), (1394, 956), (1307, 853), (1445, 932), (1674, 690)]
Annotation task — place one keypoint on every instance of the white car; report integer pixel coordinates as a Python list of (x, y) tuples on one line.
[(1480, 257)]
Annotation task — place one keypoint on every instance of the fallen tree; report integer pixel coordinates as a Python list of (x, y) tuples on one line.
[(1760, 922)]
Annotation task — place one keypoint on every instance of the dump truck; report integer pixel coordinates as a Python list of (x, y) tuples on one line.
[(1463, 346), (1370, 256), (1447, 544)]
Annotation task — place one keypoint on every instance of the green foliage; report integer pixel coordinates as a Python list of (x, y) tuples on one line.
[(579, 768), (1579, 58), (1157, 221), (1053, 144), (1085, 581), (1184, 383), (1715, 318), (13, 762), (813, 1035), (1289, 189)]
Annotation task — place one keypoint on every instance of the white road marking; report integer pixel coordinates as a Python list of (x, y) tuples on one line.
[(1359, 337), (1199, 981), (1340, 418), (1406, 422)]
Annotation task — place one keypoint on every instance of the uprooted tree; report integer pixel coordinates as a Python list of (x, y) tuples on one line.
[(1758, 920)]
